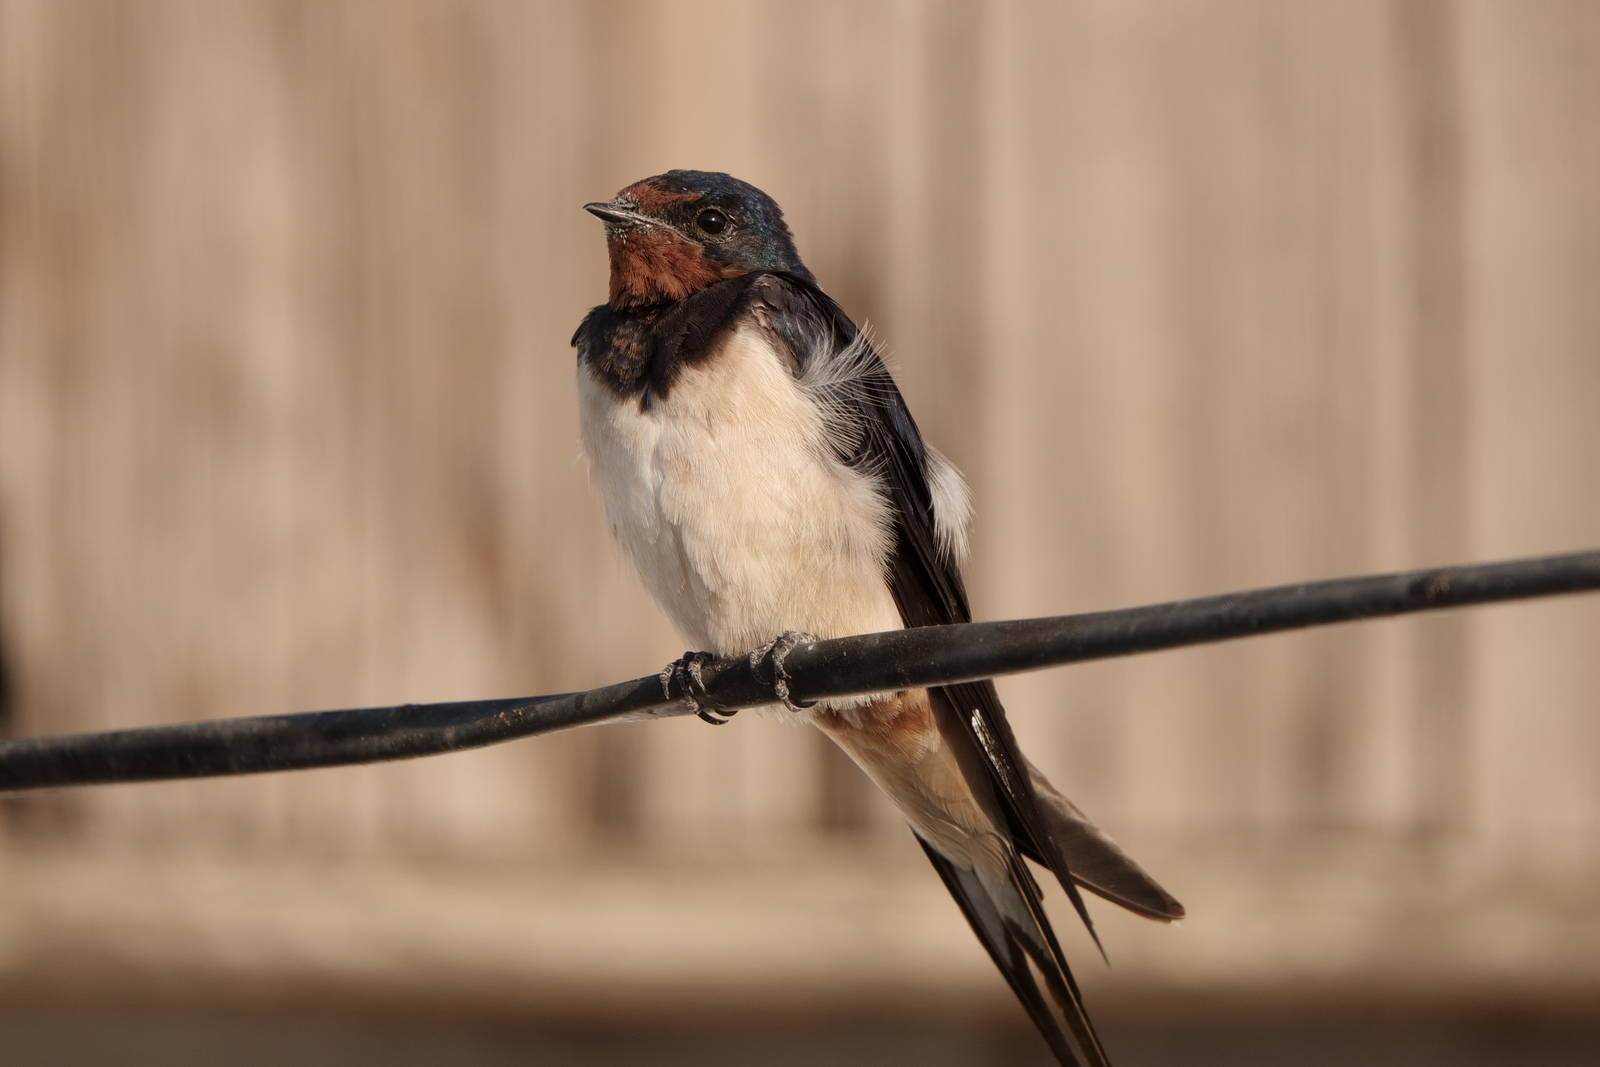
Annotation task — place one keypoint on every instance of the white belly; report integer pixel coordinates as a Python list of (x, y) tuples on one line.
[(727, 499)]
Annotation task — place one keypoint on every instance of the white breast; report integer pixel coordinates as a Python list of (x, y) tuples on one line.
[(728, 500)]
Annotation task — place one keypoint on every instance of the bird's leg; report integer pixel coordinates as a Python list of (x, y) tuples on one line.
[(683, 674), (771, 655)]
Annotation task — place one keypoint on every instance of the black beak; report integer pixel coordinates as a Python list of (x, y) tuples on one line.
[(618, 213)]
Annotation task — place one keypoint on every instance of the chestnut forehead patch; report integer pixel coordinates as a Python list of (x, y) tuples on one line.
[(653, 199)]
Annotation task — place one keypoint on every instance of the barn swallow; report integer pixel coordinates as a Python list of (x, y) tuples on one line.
[(758, 465)]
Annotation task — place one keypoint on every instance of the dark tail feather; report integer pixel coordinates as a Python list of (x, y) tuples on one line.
[(1016, 935), (988, 752), (1038, 937), (1094, 859)]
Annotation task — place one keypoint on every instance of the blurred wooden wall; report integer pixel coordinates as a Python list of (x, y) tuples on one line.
[(1202, 295)]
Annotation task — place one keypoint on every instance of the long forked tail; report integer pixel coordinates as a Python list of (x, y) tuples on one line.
[(1009, 919)]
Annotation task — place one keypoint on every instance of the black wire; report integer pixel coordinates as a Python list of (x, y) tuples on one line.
[(886, 661)]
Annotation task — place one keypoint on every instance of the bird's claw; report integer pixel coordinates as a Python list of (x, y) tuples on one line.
[(683, 674), (772, 656)]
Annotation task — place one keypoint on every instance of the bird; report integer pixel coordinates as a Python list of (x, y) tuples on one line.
[(759, 467)]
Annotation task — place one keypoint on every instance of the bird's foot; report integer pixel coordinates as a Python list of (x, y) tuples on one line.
[(683, 676), (772, 655)]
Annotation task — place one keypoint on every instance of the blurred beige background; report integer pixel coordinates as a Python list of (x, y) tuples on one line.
[(1200, 295)]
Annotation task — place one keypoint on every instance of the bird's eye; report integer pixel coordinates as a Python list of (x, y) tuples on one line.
[(711, 221)]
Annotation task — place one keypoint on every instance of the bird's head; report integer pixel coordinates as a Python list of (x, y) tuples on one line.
[(672, 235)]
